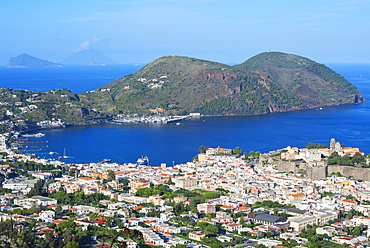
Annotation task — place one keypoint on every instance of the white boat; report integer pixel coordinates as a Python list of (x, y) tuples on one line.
[(142, 161), (39, 135), (34, 135)]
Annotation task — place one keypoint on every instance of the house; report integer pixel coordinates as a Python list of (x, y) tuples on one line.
[(218, 150), (348, 202), (196, 235), (47, 216), (166, 229), (35, 201), (157, 200), (42, 176), (328, 230), (135, 185), (232, 227), (129, 243), (206, 208), (186, 183), (361, 220), (134, 221), (224, 239), (297, 197)]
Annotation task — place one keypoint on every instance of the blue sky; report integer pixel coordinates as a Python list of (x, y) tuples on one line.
[(140, 31)]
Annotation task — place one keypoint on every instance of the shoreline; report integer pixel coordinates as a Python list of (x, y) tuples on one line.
[(110, 119)]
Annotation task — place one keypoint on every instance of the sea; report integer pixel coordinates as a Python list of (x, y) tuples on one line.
[(178, 143)]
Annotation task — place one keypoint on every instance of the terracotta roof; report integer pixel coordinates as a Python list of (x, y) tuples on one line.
[(349, 201), (297, 195), (87, 178), (137, 207)]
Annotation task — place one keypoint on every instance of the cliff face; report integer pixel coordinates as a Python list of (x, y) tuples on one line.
[(27, 61), (266, 83)]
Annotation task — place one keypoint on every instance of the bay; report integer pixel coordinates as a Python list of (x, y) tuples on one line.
[(175, 144), (75, 78)]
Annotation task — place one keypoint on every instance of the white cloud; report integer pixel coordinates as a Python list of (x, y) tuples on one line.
[(89, 44)]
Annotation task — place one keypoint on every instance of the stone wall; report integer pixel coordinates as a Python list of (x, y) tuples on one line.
[(313, 172), (317, 172), (347, 171)]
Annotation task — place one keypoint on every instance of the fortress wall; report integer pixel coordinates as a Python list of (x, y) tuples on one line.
[(356, 173), (311, 172)]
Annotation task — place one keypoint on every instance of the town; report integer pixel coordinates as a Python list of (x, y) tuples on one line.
[(316, 196)]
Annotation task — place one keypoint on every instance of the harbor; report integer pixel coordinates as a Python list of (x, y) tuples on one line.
[(27, 144), (120, 119)]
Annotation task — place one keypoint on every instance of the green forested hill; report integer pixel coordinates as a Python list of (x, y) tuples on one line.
[(266, 83)]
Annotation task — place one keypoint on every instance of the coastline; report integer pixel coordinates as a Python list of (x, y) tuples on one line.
[(111, 119)]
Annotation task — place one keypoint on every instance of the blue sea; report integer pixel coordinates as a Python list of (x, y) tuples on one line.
[(173, 144)]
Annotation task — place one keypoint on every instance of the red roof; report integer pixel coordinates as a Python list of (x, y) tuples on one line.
[(100, 222), (103, 246)]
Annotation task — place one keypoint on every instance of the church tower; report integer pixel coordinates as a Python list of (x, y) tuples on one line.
[(332, 144)]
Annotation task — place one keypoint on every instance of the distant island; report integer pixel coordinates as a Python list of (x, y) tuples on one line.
[(269, 82), (89, 57), (26, 61)]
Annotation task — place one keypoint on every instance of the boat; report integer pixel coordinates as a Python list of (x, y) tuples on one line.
[(34, 135), (64, 155), (142, 161)]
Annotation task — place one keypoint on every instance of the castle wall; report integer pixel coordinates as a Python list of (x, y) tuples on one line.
[(356, 173), (313, 172)]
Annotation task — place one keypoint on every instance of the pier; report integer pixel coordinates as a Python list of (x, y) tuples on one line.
[(41, 141), (178, 118)]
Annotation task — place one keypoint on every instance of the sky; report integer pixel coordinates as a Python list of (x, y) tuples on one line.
[(140, 31)]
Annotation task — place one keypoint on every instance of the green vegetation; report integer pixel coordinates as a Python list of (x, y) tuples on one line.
[(78, 198), (202, 149), (269, 204), (334, 158), (316, 146), (252, 155), (317, 240)]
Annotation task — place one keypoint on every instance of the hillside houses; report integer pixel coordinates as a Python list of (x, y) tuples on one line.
[(244, 198)]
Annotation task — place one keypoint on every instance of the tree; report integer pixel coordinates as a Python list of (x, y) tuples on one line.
[(118, 222), (73, 244), (202, 149), (316, 146), (237, 150), (111, 175), (358, 158), (334, 155), (241, 221), (108, 222), (50, 240), (58, 210), (170, 182)]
